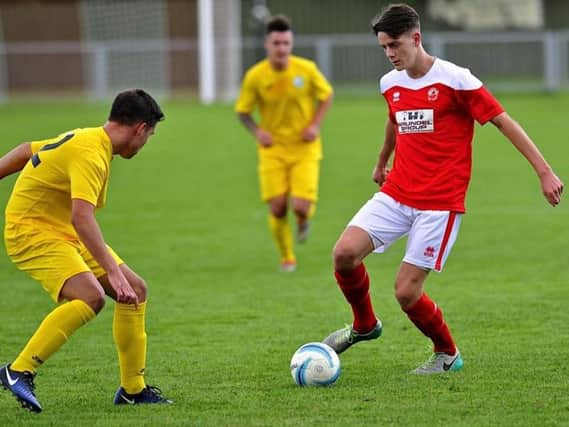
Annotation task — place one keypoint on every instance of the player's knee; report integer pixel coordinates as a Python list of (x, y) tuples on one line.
[(301, 211), (278, 210), (406, 295), (345, 257), (140, 288), (95, 300), (403, 298), (278, 206)]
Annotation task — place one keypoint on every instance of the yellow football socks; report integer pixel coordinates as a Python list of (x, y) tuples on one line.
[(280, 229), (130, 339), (53, 332)]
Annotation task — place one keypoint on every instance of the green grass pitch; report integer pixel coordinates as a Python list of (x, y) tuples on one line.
[(223, 322)]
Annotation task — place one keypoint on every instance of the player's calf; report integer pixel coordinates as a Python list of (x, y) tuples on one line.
[(302, 231)]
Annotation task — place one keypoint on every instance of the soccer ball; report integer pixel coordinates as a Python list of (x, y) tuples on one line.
[(315, 363)]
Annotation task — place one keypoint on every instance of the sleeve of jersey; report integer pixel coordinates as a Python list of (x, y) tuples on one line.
[(87, 175), (323, 90), (383, 92), (477, 99), (391, 115), (37, 145), (247, 96)]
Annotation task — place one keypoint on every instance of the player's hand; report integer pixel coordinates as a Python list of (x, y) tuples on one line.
[(263, 137), (310, 133), (552, 187), (123, 291), (379, 175)]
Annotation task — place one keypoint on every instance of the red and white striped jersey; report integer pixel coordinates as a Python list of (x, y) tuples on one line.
[(434, 122)]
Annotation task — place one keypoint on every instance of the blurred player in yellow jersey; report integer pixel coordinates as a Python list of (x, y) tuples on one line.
[(292, 96), (51, 233)]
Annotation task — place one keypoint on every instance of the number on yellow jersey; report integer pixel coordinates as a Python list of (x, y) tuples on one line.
[(36, 158)]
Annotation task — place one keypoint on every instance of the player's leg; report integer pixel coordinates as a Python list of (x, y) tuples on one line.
[(430, 241), (84, 299), (377, 224), (59, 268), (349, 270), (352, 278), (281, 232), (303, 210), (273, 177), (304, 192), (421, 310), (129, 333)]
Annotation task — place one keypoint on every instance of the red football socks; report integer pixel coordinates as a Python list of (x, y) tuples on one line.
[(355, 286), (428, 318)]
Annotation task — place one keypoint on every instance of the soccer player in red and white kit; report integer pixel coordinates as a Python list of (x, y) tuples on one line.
[(432, 107)]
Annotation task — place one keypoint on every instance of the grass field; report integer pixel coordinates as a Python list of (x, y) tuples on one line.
[(223, 322)]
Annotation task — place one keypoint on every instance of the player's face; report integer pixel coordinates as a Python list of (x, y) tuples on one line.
[(278, 45), (401, 51), (141, 133)]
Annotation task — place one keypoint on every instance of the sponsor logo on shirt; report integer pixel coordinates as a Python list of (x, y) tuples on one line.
[(415, 121), (298, 81)]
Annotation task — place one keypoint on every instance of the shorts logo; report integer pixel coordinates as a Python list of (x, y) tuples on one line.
[(429, 252), (433, 94), (415, 121)]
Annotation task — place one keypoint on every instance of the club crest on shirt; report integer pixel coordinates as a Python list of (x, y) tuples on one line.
[(396, 96), (433, 94), (415, 121), (298, 82)]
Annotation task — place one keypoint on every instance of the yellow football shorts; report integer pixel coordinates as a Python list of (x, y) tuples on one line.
[(50, 259), (297, 177)]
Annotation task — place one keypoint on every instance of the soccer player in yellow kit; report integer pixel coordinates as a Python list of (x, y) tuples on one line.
[(292, 96), (51, 233)]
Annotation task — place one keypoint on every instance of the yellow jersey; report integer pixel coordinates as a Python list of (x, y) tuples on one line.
[(287, 102), (74, 165)]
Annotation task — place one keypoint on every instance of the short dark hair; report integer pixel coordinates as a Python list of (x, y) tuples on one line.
[(279, 23), (133, 106), (395, 20)]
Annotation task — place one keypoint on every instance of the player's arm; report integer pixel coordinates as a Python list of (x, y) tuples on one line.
[(551, 185), (88, 230), (381, 169), (15, 159), (262, 136), (311, 132), (245, 105)]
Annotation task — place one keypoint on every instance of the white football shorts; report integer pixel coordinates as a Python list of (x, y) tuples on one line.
[(431, 234)]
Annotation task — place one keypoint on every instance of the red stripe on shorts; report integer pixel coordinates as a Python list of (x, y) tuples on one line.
[(444, 243)]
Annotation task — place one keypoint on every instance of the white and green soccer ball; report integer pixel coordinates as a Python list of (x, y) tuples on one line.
[(315, 363)]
